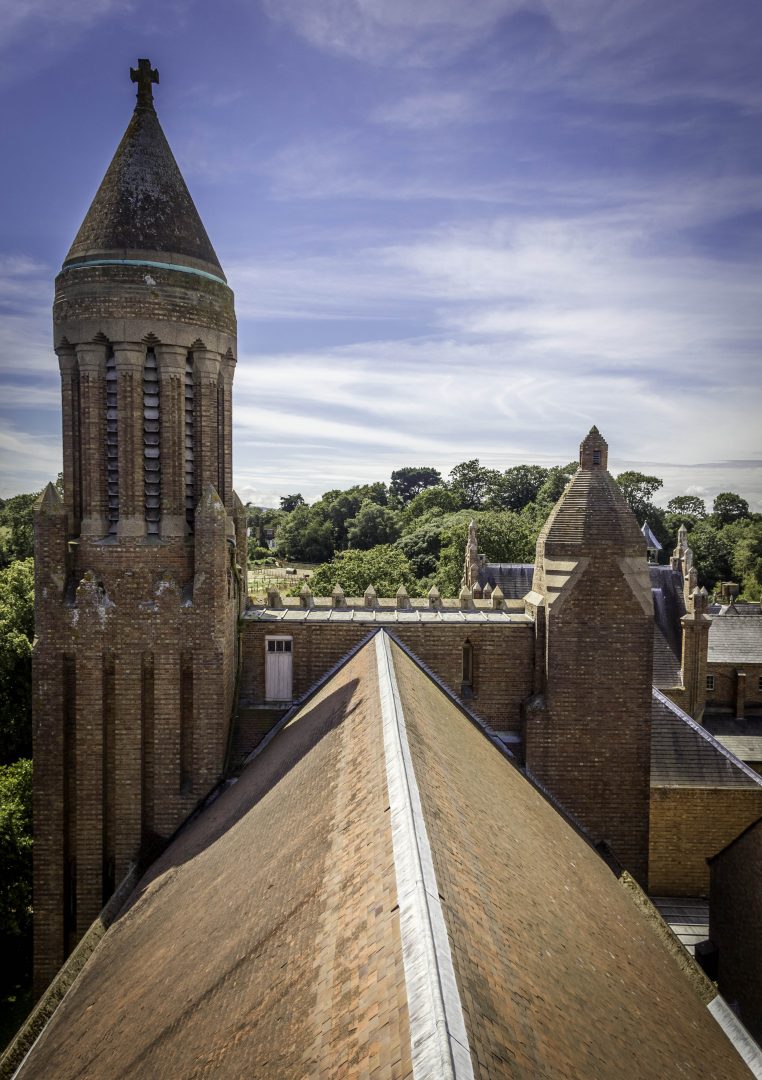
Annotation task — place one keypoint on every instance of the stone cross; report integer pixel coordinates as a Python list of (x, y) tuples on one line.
[(144, 76)]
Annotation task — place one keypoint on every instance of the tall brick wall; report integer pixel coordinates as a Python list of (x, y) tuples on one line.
[(688, 826), (590, 743), (503, 659), (588, 730), (727, 684), (735, 925)]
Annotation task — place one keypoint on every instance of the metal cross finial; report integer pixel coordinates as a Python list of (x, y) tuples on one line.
[(144, 76)]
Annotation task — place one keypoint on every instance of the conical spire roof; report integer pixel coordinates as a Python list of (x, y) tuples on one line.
[(143, 205)]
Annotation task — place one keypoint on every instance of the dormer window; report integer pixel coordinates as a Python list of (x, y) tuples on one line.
[(596, 457)]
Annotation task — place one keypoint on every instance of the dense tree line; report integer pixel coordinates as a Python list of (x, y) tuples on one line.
[(412, 531), (16, 636)]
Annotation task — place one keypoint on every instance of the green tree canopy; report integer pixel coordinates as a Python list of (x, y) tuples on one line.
[(372, 525), (290, 502), (516, 488), (438, 499), (16, 876), (422, 547), (504, 536), (409, 482), (713, 552), (16, 635), (690, 506), (17, 528), (305, 536), (639, 490), (729, 507), (552, 487), (471, 483), (385, 567)]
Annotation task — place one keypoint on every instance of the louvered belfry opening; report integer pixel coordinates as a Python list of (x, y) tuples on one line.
[(190, 479), (151, 448), (112, 443)]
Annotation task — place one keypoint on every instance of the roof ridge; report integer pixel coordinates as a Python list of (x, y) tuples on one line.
[(438, 1037)]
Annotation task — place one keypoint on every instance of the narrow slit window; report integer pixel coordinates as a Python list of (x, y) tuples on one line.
[(467, 672), (112, 443), (710, 682), (190, 478), (151, 444)]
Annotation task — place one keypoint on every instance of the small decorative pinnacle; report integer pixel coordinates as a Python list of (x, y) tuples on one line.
[(144, 75)]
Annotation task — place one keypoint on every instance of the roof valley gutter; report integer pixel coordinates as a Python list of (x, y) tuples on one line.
[(438, 1037)]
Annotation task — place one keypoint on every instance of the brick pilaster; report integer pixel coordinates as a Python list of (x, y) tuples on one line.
[(89, 789), (206, 370), (48, 809), (128, 758), (130, 361), (227, 371), (171, 364), (91, 359), (67, 363)]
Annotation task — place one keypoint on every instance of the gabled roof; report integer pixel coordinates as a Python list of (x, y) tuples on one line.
[(143, 205), (735, 640), (381, 893), (685, 754), (648, 536)]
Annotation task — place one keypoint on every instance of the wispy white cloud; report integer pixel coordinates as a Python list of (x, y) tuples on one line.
[(392, 31), (428, 110)]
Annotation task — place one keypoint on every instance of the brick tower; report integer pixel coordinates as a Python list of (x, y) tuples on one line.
[(588, 732), (140, 570)]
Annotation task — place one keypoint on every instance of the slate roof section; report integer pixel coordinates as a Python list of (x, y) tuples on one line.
[(735, 640), (685, 754), (267, 940), (648, 536), (669, 608), (515, 579), (143, 206)]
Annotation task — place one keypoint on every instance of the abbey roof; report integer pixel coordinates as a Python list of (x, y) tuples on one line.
[(342, 910)]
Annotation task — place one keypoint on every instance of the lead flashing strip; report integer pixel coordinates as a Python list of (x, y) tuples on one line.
[(147, 262), (438, 1038), (745, 1046)]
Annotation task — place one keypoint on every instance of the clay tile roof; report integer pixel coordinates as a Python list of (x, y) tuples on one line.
[(381, 893), (685, 754), (736, 640), (143, 204)]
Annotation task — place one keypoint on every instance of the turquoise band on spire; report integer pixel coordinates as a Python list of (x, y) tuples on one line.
[(147, 262)]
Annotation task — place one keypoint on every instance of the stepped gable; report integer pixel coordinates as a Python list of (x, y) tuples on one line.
[(592, 510), (341, 910), (143, 205)]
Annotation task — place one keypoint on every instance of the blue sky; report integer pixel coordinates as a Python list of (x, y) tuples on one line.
[(454, 229)]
